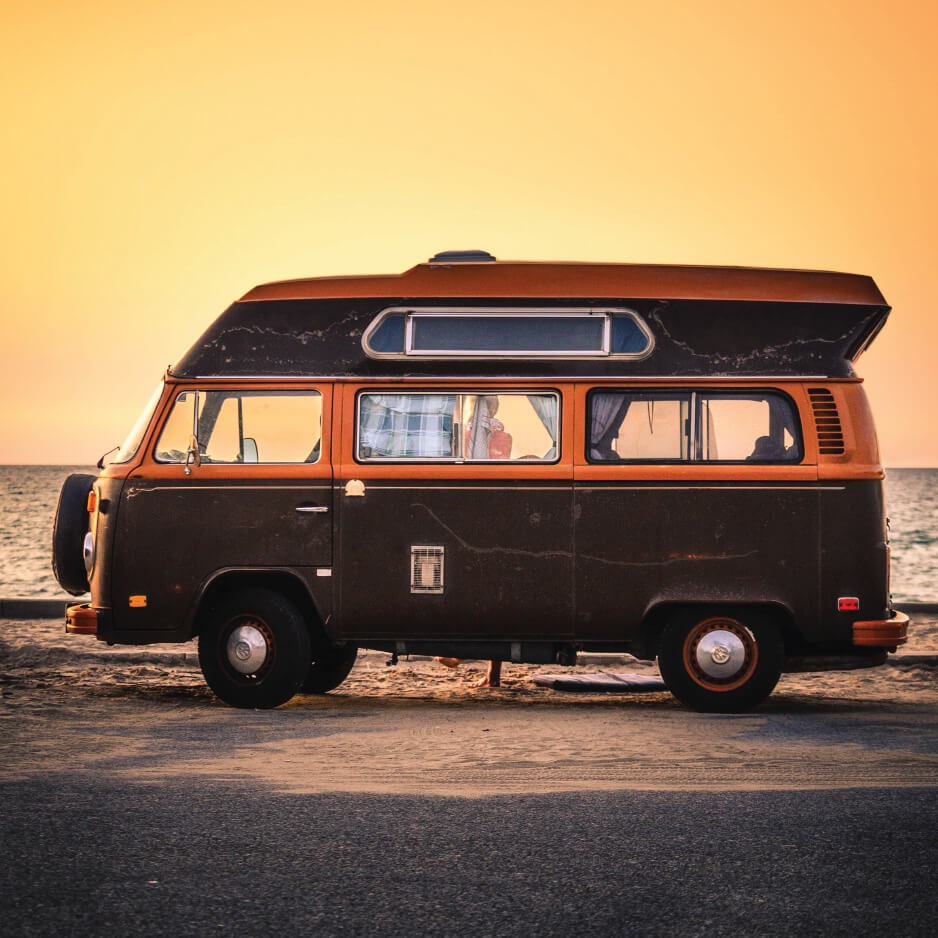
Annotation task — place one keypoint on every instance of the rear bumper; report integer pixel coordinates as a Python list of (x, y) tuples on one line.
[(81, 620), (882, 633)]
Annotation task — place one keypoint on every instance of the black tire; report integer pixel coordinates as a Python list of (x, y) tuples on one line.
[(68, 533), (718, 661), (330, 668), (254, 649)]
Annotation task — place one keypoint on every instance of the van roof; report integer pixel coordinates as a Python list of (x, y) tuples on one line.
[(732, 321), (444, 276)]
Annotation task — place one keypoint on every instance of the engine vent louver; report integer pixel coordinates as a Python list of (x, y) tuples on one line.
[(830, 434), (426, 569)]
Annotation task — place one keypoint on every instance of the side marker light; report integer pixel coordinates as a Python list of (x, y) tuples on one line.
[(848, 604), (138, 602)]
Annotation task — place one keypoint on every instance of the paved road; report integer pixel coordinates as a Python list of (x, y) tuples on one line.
[(95, 858)]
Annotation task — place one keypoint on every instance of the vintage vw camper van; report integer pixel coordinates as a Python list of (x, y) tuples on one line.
[(502, 460)]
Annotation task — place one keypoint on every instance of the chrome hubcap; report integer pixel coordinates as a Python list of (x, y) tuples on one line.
[(246, 649), (721, 654)]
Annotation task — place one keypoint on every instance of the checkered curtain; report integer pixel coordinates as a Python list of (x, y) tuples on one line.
[(406, 425)]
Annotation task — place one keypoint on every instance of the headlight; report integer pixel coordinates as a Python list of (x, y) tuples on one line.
[(87, 552)]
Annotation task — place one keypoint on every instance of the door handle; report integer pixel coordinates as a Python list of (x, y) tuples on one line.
[(319, 508)]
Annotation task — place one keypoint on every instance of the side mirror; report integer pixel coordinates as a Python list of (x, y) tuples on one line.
[(192, 454)]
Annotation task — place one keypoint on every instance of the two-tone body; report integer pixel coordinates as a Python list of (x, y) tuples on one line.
[(509, 461)]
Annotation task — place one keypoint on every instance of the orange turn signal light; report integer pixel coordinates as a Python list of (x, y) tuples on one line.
[(92, 501)]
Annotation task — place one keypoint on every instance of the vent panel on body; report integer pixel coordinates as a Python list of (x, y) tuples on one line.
[(830, 434), (426, 569)]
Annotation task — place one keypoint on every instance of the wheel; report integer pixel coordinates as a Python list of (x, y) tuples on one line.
[(254, 649), (330, 668), (68, 533), (720, 663)]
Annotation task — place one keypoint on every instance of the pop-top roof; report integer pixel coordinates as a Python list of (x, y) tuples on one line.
[(465, 314)]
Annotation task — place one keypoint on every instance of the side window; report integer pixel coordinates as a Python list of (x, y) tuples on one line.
[(637, 426), (742, 428), (244, 427), (464, 426), (698, 426)]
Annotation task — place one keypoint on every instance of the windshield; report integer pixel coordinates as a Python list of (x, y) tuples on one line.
[(132, 443)]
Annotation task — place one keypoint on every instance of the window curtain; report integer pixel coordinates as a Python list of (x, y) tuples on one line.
[(406, 425), (547, 409), (607, 411)]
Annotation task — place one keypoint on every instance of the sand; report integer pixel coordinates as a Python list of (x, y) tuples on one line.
[(71, 704)]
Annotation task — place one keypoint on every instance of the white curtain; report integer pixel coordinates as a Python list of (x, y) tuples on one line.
[(604, 408)]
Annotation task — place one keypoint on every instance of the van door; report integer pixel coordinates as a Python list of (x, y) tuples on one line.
[(455, 513), (259, 497), (691, 495)]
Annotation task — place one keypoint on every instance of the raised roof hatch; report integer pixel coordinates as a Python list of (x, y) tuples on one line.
[(464, 314)]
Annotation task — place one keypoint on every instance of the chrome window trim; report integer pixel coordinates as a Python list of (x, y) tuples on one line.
[(411, 313), (452, 460), (693, 455)]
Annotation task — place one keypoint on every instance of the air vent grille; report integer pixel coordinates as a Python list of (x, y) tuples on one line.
[(426, 569), (830, 434)]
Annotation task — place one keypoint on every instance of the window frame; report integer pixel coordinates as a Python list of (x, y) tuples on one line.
[(693, 394), (411, 313), (454, 460), (234, 392)]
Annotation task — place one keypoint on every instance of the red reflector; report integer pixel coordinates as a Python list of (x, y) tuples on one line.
[(92, 501), (848, 604)]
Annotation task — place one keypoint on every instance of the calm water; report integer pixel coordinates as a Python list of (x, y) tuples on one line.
[(28, 496)]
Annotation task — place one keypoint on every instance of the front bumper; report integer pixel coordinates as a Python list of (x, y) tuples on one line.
[(882, 633), (81, 620)]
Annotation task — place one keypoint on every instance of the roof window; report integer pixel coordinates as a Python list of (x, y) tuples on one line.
[(495, 332)]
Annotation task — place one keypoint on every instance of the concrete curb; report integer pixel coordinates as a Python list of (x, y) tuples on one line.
[(34, 608)]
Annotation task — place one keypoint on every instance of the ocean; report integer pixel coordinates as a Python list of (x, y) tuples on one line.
[(28, 495)]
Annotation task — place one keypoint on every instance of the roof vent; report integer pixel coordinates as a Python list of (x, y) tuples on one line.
[(830, 434), (461, 257)]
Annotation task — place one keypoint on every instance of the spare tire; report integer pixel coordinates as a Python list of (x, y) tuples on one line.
[(68, 533)]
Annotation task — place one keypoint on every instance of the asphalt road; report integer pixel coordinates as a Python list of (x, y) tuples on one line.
[(201, 857)]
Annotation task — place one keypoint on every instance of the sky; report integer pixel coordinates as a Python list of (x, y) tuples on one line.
[(161, 159)]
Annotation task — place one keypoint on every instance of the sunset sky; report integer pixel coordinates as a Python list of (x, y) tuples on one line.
[(160, 159)]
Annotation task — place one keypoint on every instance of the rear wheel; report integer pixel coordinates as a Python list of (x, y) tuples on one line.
[(254, 649), (330, 668), (720, 663)]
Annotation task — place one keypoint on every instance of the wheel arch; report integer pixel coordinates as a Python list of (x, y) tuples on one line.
[(658, 615), (283, 581)]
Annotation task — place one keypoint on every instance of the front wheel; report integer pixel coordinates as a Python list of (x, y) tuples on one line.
[(720, 663), (254, 649)]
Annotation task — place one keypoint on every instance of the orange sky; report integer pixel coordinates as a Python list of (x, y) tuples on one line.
[(158, 162)]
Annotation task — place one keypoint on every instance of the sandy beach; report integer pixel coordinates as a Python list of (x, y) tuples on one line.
[(411, 801), (70, 703)]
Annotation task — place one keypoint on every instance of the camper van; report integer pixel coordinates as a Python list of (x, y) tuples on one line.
[(503, 460)]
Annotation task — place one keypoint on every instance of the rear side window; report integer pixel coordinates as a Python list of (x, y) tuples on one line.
[(693, 426), (461, 426), (233, 426)]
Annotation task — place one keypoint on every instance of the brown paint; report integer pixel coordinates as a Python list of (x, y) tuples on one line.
[(529, 279)]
